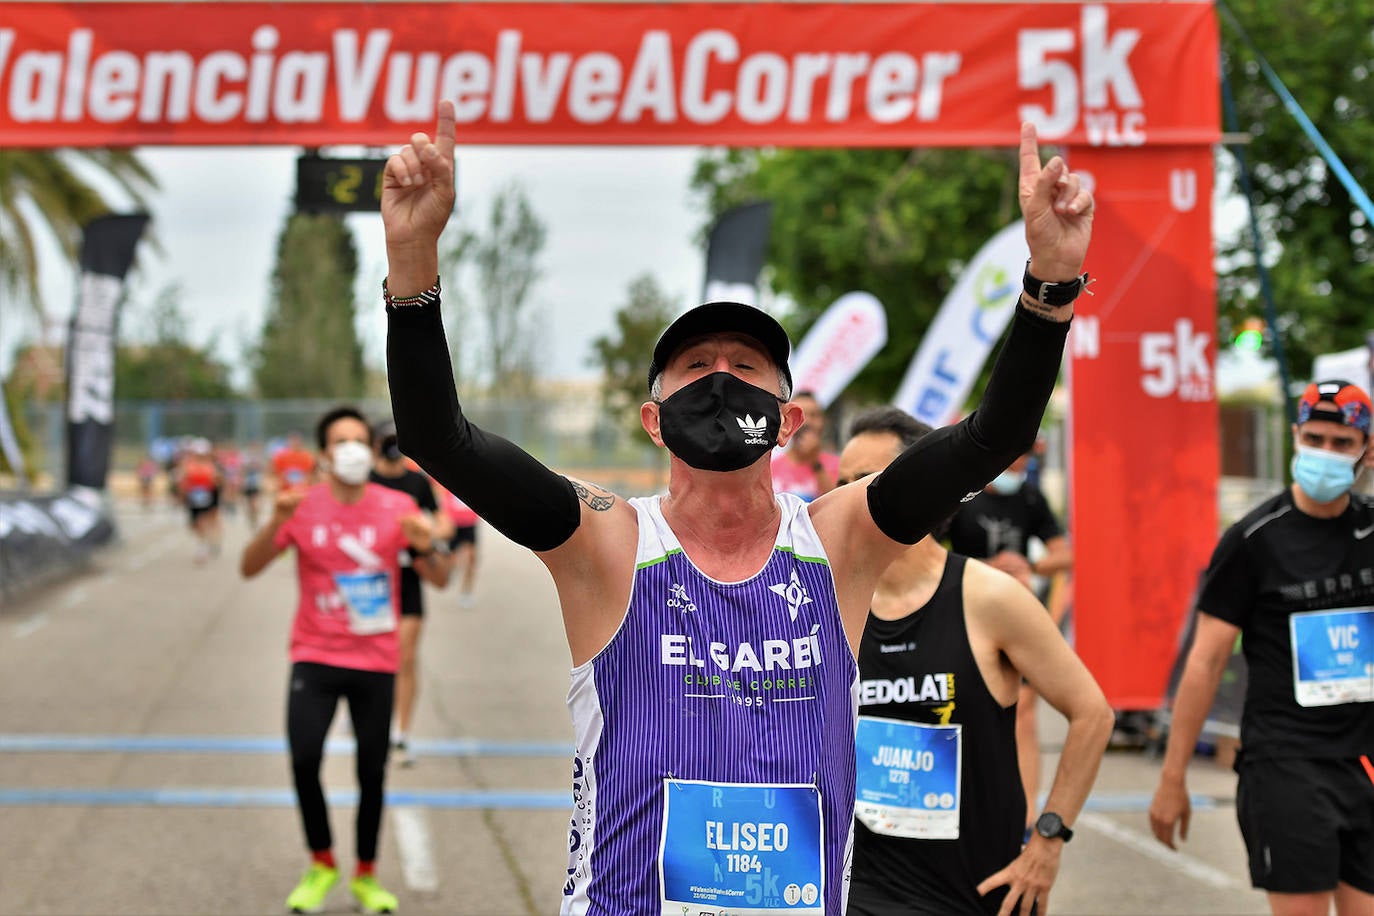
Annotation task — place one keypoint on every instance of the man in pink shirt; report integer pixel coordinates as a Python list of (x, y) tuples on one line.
[(805, 468), (348, 535)]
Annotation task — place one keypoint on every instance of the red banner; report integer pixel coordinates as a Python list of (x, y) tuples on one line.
[(1144, 429), (890, 74)]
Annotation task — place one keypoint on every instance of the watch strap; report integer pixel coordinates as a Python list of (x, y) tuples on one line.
[(1053, 827), (1054, 294)]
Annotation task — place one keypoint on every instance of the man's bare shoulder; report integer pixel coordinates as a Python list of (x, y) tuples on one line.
[(995, 596), (607, 529)]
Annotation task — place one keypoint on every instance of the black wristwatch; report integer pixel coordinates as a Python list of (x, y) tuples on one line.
[(1054, 294), (1051, 826)]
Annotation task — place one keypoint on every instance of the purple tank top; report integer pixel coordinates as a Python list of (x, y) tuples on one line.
[(715, 738)]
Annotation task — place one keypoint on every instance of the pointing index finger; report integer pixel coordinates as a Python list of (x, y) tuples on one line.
[(444, 130), (1030, 153)]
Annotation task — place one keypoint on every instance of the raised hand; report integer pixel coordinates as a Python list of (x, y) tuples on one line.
[(1058, 212), (418, 531), (417, 200), (284, 506)]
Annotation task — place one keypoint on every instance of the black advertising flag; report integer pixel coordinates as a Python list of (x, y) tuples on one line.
[(735, 253), (107, 251)]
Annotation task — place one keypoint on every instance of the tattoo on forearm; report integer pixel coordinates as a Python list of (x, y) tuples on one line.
[(597, 502), (1035, 306)]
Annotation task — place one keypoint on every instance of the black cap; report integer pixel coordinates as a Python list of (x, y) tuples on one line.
[(386, 429), (723, 318)]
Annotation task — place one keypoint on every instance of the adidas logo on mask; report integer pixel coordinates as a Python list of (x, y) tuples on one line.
[(753, 429)]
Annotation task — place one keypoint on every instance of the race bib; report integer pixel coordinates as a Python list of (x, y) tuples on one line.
[(741, 849), (1333, 656), (908, 778), (368, 597), (199, 497)]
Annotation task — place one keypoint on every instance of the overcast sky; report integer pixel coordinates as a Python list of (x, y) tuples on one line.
[(612, 214)]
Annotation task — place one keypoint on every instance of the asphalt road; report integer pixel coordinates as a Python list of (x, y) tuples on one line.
[(142, 767)]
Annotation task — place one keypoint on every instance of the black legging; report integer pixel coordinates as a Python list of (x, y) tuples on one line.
[(311, 700)]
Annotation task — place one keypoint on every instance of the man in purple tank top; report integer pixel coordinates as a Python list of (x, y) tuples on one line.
[(713, 629)]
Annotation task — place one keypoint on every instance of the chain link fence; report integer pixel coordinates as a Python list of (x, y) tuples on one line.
[(569, 432)]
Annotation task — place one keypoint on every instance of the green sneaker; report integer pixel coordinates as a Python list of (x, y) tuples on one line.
[(371, 896), (308, 897)]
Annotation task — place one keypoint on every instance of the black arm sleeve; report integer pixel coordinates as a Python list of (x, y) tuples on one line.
[(926, 483), (506, 486)]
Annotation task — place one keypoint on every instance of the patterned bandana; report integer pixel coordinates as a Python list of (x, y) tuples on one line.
[(1352, 404)]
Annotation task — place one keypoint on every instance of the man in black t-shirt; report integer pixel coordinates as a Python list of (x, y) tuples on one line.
[(997, 526), (940, 806), (1295, 579), (390, 470)]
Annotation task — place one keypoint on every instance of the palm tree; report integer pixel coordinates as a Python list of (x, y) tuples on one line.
[(49, 185)]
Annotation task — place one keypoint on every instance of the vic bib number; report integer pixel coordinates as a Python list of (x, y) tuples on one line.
[(907, 778), (741, 849), (368, 597), (1333, 656), (200, 497)]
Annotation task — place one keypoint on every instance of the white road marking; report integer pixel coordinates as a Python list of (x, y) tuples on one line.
[(417, 850), (30, 626), (74, 597), (1151, 848)]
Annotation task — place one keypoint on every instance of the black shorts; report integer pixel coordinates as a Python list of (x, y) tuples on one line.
[(464, 535), (1308, 823), (198, 510)]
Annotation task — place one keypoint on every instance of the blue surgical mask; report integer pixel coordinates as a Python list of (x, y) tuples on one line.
[(1008, 482), (1323, 475)]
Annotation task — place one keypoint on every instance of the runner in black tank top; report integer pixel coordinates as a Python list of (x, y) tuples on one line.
[(902, 663), (940, 808)]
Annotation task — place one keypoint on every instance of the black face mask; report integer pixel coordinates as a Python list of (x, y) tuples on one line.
[(390, 450), (720, 423)]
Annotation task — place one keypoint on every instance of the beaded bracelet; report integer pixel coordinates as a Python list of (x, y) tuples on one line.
[(428, 297)]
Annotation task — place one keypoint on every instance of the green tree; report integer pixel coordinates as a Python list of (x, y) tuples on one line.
[(309, 346), (506, 260), (623, 354), (50, 184), (1321, 245), (895, 223), (168, 366)]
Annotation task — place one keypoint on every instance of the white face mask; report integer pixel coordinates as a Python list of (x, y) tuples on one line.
[(350, 462)]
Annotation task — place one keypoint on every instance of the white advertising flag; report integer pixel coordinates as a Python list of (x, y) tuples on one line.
[(970, 320), (839, 344)]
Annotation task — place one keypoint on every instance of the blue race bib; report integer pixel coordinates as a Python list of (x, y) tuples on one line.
[(908, 778), (730, 848), (368, 597), (1333, 656)]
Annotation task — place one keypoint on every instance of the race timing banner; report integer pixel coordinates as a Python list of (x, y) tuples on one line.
[(813, 74)]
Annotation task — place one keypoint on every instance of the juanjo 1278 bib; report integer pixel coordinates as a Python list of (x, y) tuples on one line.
[(908, 778)]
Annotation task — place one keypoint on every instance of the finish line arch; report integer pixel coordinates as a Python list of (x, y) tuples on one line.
[(1129, 89)]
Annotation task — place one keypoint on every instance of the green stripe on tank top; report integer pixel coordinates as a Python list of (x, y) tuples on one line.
[(654, 562), (821, 560)]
